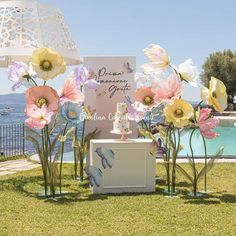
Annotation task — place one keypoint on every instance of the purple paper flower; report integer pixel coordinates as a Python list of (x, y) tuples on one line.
[(20, 73), (160, 149), (85, 77)]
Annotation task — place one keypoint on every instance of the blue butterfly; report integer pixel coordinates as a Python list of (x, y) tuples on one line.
[(107, 156), (94, 174)]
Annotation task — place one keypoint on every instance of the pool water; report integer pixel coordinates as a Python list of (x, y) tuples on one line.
[(227, 139)]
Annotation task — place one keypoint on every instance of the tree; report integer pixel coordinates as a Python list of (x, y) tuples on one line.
[(221, 65)]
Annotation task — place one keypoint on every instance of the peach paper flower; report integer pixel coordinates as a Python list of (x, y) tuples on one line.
[(145, 96), (207, 123), (70, 92), (167, 91), (42, 96), (38, 117)]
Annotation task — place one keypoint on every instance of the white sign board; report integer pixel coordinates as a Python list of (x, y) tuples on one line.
[(116, 78)]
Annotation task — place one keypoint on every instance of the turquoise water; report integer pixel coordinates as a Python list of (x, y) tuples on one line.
[(227, 139)]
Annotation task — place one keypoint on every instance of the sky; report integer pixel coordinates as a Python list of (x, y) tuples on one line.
[(186, 29)]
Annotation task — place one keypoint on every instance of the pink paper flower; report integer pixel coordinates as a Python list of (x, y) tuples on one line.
[(169, 90), (38, 117), (145, 96), (70, 92), (207, 123), (42, 96)]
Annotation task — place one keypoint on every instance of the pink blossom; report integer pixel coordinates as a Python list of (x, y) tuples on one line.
[(42, 96), (167, 91), (38, 117), (207, 123)]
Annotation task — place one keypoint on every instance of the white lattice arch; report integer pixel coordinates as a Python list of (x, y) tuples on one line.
[(26, 25)]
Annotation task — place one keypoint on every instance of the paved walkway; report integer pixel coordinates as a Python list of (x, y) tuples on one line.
[(11, 167)]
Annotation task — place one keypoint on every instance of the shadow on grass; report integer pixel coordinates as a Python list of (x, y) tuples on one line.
[(228, 198), (79, 192), (214, 198)]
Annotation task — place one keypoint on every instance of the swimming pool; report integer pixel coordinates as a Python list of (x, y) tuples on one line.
[(227, 139)]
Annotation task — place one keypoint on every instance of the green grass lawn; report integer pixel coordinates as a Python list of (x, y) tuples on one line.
[(81, 213)]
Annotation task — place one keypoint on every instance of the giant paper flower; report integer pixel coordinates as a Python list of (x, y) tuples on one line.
[(47, 63), (159, 59), (38, 116), (179, 113), (70, 92), (216, 95), (72, 113), (145, 96), (167, 91), (42, 96), (207, 123), (188, 72), (20, 73), (85, 77)]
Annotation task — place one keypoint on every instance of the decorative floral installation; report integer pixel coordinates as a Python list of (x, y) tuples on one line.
[(20, 74), (47, 63), (53, 115), (159, 95)]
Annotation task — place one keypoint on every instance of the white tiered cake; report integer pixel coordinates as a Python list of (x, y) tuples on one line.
[(121, 125)]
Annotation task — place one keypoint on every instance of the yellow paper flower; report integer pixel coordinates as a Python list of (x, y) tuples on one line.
[(179, 113), (216, 95), (47, 63)]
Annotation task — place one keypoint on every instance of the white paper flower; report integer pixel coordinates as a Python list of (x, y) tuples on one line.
[(189, 72), (159, 59)]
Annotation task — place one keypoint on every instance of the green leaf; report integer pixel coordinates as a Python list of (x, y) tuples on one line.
[(147, 134), (32, 133), (184, 173), (210, 163)]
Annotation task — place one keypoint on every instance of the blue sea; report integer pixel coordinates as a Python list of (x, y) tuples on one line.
[(12, 108)]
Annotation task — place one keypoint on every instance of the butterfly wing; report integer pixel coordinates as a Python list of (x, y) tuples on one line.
[(94, 174), (109, 156), (128, 68)]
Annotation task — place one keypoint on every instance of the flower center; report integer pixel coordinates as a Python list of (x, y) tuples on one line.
[(46, 65), (179, 113), (148, 100), (72, 114), (41, 118), (214, 95), (41, 102)]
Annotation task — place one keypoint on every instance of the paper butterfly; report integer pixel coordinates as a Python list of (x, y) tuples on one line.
[(107, 156), (129, 70), (94, 174)]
